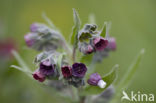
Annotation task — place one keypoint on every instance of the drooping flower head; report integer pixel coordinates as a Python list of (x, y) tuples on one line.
[(66, 71), (47, 68), (79, 70), (100, 43), (38, 76)]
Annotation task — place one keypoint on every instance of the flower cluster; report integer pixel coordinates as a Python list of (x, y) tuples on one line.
[(41, 37), (90, 40), (46, 70), (74, 75), (55, 63)]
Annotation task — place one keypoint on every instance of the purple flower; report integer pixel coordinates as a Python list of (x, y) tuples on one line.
[(34, 27), (66, 71), (79, 70), (29, 39), (100, 43), (112, 43), (94, 79), (47, 68), (38, 76)]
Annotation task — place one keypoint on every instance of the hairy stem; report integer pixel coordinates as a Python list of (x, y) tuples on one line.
[(74, 54)]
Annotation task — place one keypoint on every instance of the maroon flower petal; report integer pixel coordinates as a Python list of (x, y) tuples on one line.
[(100, 43), (38, 76), (66, 71)]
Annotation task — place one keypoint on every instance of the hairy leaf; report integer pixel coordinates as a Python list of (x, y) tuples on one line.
[(127, 77), (59, 63), (75, 30), (50, 23), (103, 32), (20, 69), (87, 59), (131, 71), (20, 60)]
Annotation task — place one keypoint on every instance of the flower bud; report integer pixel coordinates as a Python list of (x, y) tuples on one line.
[(47, 68), (30, 39), (38, 76), (95, 80), (84, 36), (39, 28), (66, 71), (79, 70), (34, 27), (112, 43), (100, 43), (86, 48), (90, 27)]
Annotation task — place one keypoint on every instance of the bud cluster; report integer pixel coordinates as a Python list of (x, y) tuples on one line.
[(90, 40), (41, 37)]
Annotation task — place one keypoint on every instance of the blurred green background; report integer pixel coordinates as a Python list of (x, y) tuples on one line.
[(133, 25)]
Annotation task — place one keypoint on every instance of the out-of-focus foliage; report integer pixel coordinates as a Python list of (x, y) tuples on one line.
[(133, 24)]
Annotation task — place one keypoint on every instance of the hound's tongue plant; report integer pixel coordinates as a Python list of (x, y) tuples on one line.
[(70, 67)]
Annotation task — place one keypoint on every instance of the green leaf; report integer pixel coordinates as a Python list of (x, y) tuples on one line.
[(85, 37), (86, 59), (109, 79), (76, 28), (103, 32), (59, 63), (126, 79), (22, 70), (131, 71), (50, 23), (20, 61)]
